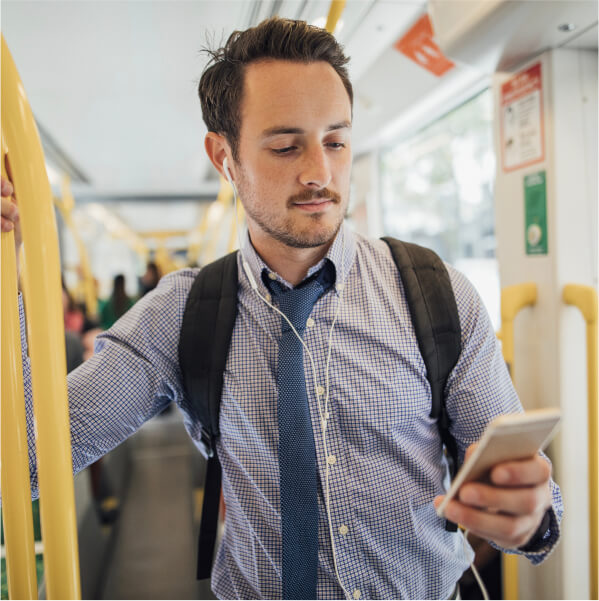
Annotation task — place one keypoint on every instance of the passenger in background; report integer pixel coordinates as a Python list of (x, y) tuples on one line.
[(118, 303), (73, 325), (149, 280), (73, 316)]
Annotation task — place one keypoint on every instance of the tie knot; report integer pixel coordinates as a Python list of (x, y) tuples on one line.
[(297, 303)]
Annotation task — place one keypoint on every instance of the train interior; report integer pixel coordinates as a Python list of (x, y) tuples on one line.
[(474, 133)]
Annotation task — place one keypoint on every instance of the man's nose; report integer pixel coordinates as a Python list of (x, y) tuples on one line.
[(315, 169)]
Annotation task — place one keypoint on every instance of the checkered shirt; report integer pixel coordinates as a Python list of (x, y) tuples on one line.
[(385, 460)]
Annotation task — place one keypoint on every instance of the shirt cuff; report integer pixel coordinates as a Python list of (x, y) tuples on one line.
[(538, 548)]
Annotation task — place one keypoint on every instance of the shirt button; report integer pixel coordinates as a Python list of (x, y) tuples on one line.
[(340, 288), (310, 323), (319, 390), (343, 529), (331, 459), (272, 275), (268, 297), (357, 594)]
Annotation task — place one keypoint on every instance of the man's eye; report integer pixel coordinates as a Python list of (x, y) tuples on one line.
[(285, 150), (336, 145)]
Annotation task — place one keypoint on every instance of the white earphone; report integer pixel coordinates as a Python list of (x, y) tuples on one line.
[(246, 267)]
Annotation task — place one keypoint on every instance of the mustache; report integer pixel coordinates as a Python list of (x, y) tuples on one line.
[(308, 195)]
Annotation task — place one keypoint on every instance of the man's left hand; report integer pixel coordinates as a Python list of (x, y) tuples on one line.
[(509, 508)]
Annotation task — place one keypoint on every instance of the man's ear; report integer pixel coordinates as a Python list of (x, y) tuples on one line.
[(217, 149)]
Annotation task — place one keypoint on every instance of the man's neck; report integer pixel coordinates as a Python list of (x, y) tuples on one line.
[(292, 264)]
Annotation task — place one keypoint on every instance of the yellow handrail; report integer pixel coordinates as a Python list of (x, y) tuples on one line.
[(335, 11), (16, 493), (513, 299), (585, 298), (46, 336), (65, 206)]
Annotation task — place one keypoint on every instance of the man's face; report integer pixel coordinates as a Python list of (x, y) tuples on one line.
[(294, 153)]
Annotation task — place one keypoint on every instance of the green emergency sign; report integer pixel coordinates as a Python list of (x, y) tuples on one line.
[(535, 211)]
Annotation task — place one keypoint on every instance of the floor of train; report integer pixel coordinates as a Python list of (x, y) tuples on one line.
[(154, 547)]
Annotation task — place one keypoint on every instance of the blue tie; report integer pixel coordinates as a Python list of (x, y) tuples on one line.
[(297, 455)]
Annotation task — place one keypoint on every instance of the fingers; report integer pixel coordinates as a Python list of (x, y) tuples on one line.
[(509, 507), (7, 189), (513, 501), (526, 472), (508, 531), (10, 215)]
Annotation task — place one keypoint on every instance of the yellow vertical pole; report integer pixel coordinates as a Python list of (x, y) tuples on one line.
[(16, 492), (65, 206), (335, 11), (513, 299), (585, 298), (46, 337)]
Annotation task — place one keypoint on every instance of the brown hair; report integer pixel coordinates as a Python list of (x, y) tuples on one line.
[(221, 85)]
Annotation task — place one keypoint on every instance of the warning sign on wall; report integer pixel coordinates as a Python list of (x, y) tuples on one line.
[(522, 131)]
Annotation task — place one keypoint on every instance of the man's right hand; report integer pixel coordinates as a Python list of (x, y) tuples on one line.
[(10, 213)]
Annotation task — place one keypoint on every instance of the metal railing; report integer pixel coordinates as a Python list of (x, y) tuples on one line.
[(513, 300), (42, 289)]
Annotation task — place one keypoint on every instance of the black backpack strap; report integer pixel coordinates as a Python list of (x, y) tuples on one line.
[(206, 330), (435, 319), (209, 522)]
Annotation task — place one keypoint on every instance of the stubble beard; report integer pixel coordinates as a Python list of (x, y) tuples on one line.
[(288, 231)]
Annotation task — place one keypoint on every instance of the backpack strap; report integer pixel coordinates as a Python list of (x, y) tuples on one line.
[(436, 322), (206, 330)]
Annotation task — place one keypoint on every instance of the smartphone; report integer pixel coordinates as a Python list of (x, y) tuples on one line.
[(506, 438)]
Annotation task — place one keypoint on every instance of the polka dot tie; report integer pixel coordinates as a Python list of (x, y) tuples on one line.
[(297, 455)]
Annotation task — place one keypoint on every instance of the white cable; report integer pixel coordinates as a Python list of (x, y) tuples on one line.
[(323, 412), (479, 580)]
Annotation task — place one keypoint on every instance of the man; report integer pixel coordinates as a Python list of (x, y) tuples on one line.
[(278, 106)]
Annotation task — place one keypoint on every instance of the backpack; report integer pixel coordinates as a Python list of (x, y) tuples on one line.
[(208, 321)]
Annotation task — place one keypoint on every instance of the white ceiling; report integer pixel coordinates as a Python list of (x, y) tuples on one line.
[(114, 83)]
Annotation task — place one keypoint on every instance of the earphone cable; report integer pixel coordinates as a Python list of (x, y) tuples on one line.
[(323, 413)]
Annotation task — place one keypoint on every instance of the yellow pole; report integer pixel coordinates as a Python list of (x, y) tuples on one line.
[(16, 493), (46, 337), (585, 298), (513, 299), (65, 206), (335, 11)]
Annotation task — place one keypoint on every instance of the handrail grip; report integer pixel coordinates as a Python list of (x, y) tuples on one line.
[(585, 299)]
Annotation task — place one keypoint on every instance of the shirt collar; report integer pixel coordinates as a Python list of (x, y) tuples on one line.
[(341, 253)]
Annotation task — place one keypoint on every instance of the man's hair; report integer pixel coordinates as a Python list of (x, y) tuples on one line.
[(221, 84)]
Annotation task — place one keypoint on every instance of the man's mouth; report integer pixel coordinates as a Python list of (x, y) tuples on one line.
[(314, 205), (314, 201)]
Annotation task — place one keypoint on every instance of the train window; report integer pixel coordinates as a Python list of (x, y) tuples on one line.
[(437, 191)]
